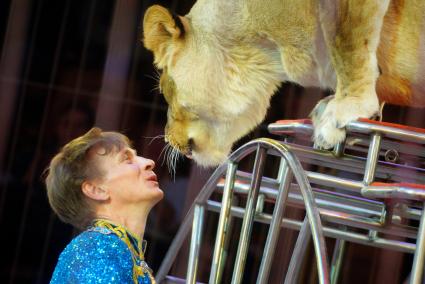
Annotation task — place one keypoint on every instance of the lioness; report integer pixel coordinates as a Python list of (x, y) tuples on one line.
[(223, 61)]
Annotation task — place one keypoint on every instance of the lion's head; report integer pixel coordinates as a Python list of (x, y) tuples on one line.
[(216, 92)]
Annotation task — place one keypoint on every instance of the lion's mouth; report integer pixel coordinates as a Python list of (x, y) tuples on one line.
[(186, 151), (189, 155)]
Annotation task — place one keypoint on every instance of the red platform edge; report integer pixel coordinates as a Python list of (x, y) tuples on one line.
[(401, 184), (395, 125), (365, 120), (290, 121)]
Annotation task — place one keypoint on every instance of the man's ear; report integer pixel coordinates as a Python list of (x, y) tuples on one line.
[(93, 191), (161, 29)]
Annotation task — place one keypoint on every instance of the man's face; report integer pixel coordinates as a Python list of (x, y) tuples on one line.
[(129, 178)]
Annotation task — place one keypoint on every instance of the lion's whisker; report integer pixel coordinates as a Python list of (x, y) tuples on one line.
[(155, 137), (163, 151), (156, 89), (152, 77)]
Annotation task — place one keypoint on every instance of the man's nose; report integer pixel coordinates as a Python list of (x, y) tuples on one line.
[(147, 164)]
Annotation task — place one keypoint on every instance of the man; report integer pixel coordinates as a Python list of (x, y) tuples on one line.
[(99, 184)]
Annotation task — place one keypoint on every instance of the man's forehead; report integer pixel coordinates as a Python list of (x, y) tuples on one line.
[(126, 149), (111, 150)]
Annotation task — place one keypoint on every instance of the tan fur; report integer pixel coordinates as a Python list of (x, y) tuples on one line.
[(160, 32), (220, 72)]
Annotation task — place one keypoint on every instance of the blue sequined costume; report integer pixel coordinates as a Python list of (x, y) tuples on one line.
[(103, 254)]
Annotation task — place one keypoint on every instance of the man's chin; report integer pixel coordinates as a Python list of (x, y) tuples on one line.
[(159, 195)]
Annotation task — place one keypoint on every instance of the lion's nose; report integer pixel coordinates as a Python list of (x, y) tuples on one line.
[(190, 143), (190, 146)]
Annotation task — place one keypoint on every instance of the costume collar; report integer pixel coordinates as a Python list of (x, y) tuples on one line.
[(136, 245)]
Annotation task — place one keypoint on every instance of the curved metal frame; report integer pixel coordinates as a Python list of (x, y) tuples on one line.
[(289, 161), (384, 137), (346, 206)]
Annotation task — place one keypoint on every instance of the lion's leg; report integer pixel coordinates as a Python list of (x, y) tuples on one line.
[(352, 42)]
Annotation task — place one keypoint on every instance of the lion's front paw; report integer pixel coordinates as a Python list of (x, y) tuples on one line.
[(331, 115)]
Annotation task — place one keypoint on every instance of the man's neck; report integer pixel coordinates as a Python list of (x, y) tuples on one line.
[(133, 221)]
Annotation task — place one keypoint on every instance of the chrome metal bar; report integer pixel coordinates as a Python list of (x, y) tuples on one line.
[(298, 254), (352, 164), (302, 128), (349, 209), (195, 243), (185, 227), (228, 238), (284, 178), (324, 198), (341, 183), (337, 257), (372, 158), (407, 212), (217, 265), (311, 210), (248, 220), (410, 149), (418, 259), (339, 149), (361, 143), (316, 178), (370, 170), (337, 209), (359, 129), (328, 231), (407, 135), (389, 131), (395, 192)]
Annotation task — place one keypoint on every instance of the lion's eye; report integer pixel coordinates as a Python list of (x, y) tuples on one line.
[(167, 87)]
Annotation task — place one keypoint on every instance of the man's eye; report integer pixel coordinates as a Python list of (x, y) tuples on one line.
[(127, 158)]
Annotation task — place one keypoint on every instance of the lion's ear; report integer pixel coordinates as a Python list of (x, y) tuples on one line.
[(160, 30)]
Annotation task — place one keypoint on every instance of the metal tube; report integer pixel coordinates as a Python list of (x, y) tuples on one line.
[(361, 143), (195, 243), (333, 181), (340, 211), (313, 217), (353, 164), (217, 265), (357, 127), (370, 209), (358, 165), (318, 178), (228, 238), (310, 205), (372, 158), (327, 231), (249, 216), (339, 149), (370, 167), (418, 260), (337, 260), (391, 132), (298, 254), (184, 228), (284, 178), (394, 192)]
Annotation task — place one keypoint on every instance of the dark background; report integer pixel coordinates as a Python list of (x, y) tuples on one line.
[(68, 65)]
